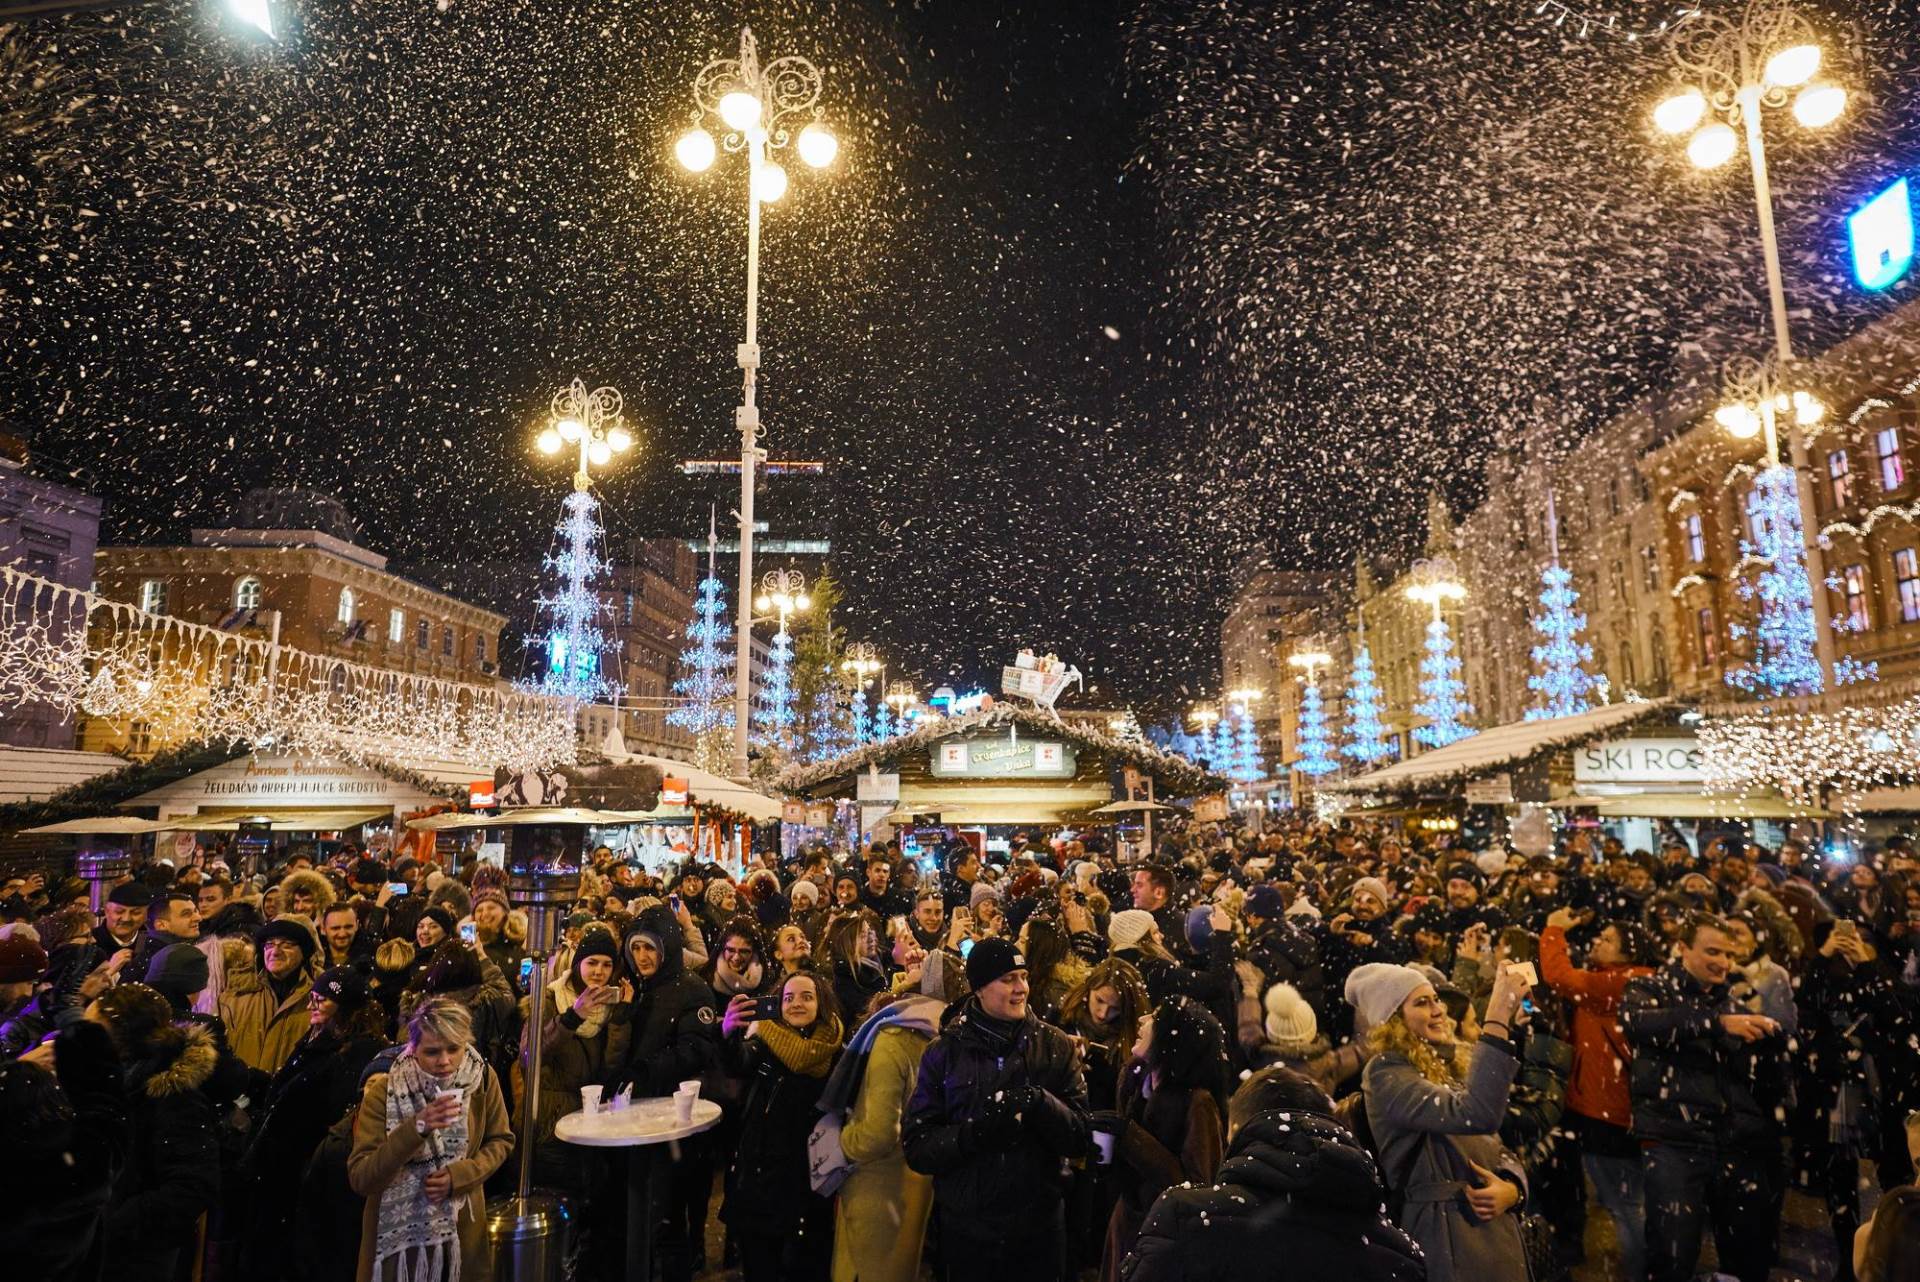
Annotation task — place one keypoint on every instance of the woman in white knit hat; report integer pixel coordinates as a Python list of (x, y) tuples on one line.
[(1434, 1107), (1293, 1041)]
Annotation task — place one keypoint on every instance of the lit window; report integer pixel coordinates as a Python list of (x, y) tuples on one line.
[(479, 647), (1854, 577), (345, 613), (1906, 573), (1756, 517), (446, 639), (246, 594), (153, 596), (1840, 477), (1709, 642), (1886, 448), (396, 626), (629, 609), (1649, 569), (1696, 539), (421, 632)]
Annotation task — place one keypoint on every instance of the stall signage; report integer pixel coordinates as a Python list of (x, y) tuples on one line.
[(673, 792), (793, 812), (264, 779), (820, 814), (1492, 790), (876, 787), (1640, 761), (1210, 809), (1001, 759), (480, 795)]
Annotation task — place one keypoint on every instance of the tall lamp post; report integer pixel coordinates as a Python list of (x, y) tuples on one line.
[(757, 108), (1731, 67)]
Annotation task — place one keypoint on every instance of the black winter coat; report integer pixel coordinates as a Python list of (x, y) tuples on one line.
[(994, 1188), (1286, 954), (63, 1174), (768, 1188), (1854, 1028), (675, 1033), (1297, 1197), (172, 1175), (1692, 1082)]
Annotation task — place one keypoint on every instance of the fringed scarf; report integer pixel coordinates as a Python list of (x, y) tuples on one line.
[(421, 1236), (809, 1054), (564, 995)]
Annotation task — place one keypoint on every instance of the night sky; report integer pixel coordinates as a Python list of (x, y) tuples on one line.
[(1098, 298)]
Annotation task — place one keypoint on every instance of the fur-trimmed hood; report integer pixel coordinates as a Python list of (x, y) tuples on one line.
[(174, 1060), (307, 882)]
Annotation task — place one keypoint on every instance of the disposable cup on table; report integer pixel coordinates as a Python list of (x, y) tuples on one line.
[(590, 1099)]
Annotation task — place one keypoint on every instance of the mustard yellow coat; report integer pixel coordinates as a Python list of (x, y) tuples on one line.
[(880, 1216)]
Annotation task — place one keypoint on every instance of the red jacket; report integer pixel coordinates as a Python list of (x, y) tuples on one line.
[(1600, 1053)]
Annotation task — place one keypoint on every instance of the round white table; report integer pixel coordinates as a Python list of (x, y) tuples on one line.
[(644, 1128)]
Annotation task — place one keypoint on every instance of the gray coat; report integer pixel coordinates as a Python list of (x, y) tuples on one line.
[(1426, 1136)]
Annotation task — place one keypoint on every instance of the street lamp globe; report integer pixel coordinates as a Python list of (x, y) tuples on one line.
[(549, 442), (817, 145), (1807, 410), (1713, 146), (1794, 65), (599, 453), (769, 183), (1819, 105), (1680, 113), (1739, 419), (571, 429), (741, 110), (620, 439), (695, 151)]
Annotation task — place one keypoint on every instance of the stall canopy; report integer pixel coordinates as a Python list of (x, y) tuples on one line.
[(1691, 805), (1498, 748), (99, 825), (283, 819), (532, 815)]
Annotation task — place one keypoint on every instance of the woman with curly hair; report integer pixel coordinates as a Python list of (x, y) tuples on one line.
[(1102, 1013), (1435, 1108), (850, 955)]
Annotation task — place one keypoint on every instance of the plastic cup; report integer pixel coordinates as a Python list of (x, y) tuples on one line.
[(1103, 1140), (590, 1099), (683, 1107), (689, 1087)]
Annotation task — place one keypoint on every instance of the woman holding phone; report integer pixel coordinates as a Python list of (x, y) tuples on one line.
[(429, 1132), (580, 1043), (783, 1045)]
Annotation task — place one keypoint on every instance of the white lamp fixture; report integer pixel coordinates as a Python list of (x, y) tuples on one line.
[(741, 110), (1713, 146), (817, 145), (1680, 113), (695, 151), (1819, 105), (1794, 65), (769, 183)]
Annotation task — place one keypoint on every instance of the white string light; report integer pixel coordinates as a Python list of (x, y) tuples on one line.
[(1816, 754), (86, 655), (1586, 23)]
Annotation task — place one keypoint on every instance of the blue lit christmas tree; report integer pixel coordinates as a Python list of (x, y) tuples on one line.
[(1443, 700), (862, 719), (1247, 765), (705, 684), (572, 632), (1224, 755), (883, 721), (1316, 747), (1786, 657), (1366, 736), (827, 733), (773, 714), (1560, 674)]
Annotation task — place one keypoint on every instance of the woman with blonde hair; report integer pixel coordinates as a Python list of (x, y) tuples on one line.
[(1435, 1108), (429, 1132)]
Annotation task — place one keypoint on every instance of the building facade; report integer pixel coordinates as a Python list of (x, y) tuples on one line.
[(50, 531), (1275, 613), (295, 556)]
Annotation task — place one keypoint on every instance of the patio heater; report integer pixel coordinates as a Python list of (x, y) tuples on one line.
[(531, 1232), (101, 870)]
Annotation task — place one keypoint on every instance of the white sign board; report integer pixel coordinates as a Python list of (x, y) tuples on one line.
[(1493, 790), (1675, 760), (262, 779), (876, 787)]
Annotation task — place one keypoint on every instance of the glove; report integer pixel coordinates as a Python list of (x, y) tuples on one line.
[(997, 1125)]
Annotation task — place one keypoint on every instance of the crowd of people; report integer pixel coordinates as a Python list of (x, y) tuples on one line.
[(1322, 1051)]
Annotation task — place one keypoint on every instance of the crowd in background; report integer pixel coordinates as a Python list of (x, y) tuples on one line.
[(1321, 1051)]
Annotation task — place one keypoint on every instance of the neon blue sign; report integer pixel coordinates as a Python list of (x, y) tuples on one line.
[(1881, 233)]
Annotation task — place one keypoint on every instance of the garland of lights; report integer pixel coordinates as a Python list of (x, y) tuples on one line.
[(88, 656), (1844, 751), (1442, 694), (1590, 23), (883, 727), (773, 718), (1785, 658), (1560, 673), (828, 735), (1366, 736), (705, 684), (1225, 752), (862, 719), (1316, 746)]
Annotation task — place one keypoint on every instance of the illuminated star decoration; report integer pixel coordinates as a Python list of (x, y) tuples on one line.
[(1366, 737), (1560, 674)]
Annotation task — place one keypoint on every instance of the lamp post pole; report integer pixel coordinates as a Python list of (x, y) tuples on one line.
[(756, 106)]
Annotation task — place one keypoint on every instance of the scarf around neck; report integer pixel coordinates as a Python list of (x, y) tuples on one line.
[(728, 981), (564, 994), (809, 1056), (421, 1236)]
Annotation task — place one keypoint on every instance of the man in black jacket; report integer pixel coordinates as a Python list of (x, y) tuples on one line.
[(1706, 1080), (999, 1111), (1297, 1197), (1283, 952)]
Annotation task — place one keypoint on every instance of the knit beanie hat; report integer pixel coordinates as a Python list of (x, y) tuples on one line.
[(1129, 926), (440, 917), (344, 986), (982, 890), (1291, 1025), (1375, 887), (992, 959), (178, 968), (22, 960), (805, 894), (492, 895), (1772, 872), (1469, 873), (1378, 989), (717, 890), (1200, 926), (1265, 902), (292, 930)]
